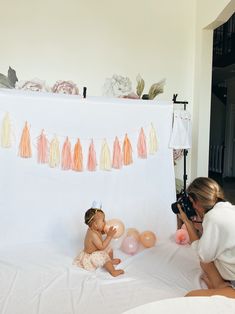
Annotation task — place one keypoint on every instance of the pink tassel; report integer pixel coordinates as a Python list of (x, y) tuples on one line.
[(141, 146), (117, 154), (42, 146), (66, 162), (91, 161), (127, 152), (77, 157)]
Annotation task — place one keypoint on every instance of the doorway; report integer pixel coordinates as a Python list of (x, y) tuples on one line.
[(222, 122)]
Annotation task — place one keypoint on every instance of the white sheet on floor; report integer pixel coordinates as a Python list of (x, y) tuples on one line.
[(37, 279), (192, 305)]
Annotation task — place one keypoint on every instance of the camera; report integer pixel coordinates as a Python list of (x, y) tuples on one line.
[(186, 205)]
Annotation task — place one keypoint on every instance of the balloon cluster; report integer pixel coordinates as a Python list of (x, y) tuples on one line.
[(132, 238), (182, 236)]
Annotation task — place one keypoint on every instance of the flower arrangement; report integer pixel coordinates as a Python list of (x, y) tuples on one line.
[(120, 86), (37, 85)]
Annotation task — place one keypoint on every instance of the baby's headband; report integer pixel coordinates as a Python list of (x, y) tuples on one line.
[(96, 204)]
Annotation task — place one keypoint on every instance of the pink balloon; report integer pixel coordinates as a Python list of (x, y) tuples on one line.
[(148, 239), (132, 232), (118, 225), (129, 245), (182, 237)]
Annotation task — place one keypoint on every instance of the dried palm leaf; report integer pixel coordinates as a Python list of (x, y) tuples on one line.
[(156, 89), (140, 85)]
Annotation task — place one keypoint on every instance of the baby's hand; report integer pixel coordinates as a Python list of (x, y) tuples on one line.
[(111, 232)]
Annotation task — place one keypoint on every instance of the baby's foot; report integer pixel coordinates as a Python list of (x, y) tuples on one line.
[(116, 261), (117, 272)]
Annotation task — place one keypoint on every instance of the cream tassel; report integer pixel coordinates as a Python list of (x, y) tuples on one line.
[(152, 140), (6, 132), (54, 155), (105, 158)]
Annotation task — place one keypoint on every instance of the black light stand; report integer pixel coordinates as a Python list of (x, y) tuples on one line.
[(185, 150)]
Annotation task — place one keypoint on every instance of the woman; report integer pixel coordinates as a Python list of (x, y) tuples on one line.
[(216, 246)]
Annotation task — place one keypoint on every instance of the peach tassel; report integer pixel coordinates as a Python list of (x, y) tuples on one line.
[(78, 157), (105, 157), (152, 141), (117, 154), (141, 146), (54, 156), (91, 161), (25, 143), (6, 132), (42, 146), (127, 151), (66, 162)]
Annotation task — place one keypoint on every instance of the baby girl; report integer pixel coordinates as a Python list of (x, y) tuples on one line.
[(96, 251)]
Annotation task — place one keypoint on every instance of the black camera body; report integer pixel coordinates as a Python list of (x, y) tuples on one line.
[(186, 205)]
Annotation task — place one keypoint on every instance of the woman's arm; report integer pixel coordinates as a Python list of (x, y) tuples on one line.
[(192, 232)]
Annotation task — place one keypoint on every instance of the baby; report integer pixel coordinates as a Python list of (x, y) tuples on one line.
[(96, 252)]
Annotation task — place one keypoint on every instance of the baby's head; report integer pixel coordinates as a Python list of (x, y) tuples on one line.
[(94, 217)]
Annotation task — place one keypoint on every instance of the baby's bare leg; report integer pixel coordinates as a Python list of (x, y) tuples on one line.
[(115, 261), (110, 268)]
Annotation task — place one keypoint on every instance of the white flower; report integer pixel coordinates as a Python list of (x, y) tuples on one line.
[(117, 86)]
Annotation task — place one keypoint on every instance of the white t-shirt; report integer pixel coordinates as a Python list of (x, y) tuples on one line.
[(217, 242)]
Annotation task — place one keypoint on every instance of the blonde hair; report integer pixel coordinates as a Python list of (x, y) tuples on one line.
[(206, 191)]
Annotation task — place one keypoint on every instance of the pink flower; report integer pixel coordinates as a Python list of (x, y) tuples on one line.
[(65, 87)]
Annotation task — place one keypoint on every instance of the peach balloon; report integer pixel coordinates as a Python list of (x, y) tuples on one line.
[(132, 232), (148, 239), (118, 225)]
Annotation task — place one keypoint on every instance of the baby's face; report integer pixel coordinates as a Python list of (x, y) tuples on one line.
[(99, 221)]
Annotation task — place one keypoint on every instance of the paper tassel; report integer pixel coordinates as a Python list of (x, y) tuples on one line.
[(117, 154), (105, 157), (91, 161), (141, 146), (42, 146), (54, 156), (66, 162), (6, 132), (25, 144), (127, 151), (152, 140), (78, 157)]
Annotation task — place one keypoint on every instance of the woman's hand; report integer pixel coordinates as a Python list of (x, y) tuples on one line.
[(182, 215)]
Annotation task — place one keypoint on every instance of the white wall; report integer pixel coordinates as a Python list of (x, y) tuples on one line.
[(87, 41)]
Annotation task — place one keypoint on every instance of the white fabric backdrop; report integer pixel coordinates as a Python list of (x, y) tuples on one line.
[(39, 203)]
